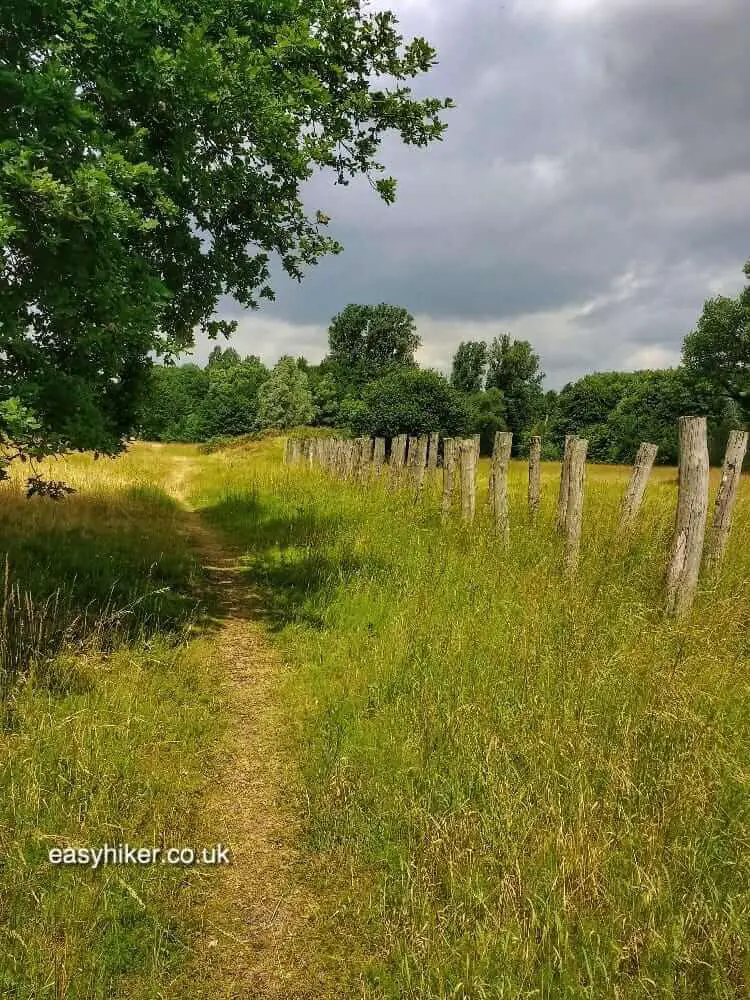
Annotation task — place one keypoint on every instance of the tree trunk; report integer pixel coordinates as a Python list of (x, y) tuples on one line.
[(692, 508), (726, 497)]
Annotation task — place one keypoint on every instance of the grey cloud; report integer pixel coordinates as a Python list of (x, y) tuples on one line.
[(678, 75), (583, 149)]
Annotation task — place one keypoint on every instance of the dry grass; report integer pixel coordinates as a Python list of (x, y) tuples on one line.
[(541, 788), (452, 776)]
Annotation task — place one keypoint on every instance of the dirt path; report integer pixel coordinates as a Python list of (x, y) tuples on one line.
[(258, 939)]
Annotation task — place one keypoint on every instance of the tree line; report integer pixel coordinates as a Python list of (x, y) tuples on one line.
[(370, 383)]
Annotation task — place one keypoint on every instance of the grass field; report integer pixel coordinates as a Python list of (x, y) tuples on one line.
[(110, 740), (536, 789)]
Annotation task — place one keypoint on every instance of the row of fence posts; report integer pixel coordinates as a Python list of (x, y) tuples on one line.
[(410, 459)]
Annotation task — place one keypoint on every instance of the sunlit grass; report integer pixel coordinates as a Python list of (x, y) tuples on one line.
[(110, 730), (541, 788)]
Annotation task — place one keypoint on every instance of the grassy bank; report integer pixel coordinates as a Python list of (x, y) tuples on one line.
[(540, 790), (111, 723)]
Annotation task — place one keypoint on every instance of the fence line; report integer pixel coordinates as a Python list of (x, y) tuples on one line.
[(409, 460)]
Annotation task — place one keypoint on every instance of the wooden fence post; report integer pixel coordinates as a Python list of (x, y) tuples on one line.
[(398, 458), (365, 458), (726, 497), (644, 462), (420, 465), (378, 455), (535, 474), (449, 475), (500, 460), (411, 455), (432, 452), (692, 508), (351, 458), (467, 454), (574, 504), (341, 458), (562, 499)]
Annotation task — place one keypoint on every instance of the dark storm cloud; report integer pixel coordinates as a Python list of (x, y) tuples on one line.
[(592, 190)]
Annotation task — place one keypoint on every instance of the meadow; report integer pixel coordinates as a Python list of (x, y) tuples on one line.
[(111, 731), (533, 787)]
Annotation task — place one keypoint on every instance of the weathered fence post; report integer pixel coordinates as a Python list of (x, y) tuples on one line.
[(409, 470), (644, 462), (340, 468), (449, 475), (467, 456), (432, 452), (500, 460), (378, 455), (351, 458), (420, 465), (535, 474), (726, 497), (287, 450), (365, 458), (398, 458), (562, 499), (692, 508), (574, 504)]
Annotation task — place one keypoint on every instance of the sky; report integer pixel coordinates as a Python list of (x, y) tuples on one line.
[(591, 191)]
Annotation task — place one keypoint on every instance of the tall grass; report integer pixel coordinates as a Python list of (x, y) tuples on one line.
[(541, 789), (112, 729)]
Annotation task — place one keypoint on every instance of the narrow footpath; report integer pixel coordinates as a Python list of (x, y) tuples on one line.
[(258, 940)]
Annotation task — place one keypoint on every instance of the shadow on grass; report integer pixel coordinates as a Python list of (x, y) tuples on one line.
[(285, 558), (96, 557)]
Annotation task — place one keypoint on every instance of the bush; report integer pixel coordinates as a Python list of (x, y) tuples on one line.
[(409, 401)]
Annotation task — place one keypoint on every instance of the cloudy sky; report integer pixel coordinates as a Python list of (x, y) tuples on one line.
[(592, 190)]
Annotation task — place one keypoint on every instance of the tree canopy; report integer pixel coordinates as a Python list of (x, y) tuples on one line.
[(718, 349), (513, 367), (367, 341), (284, 399), (152, 155), (409, 401), (469, 365)]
